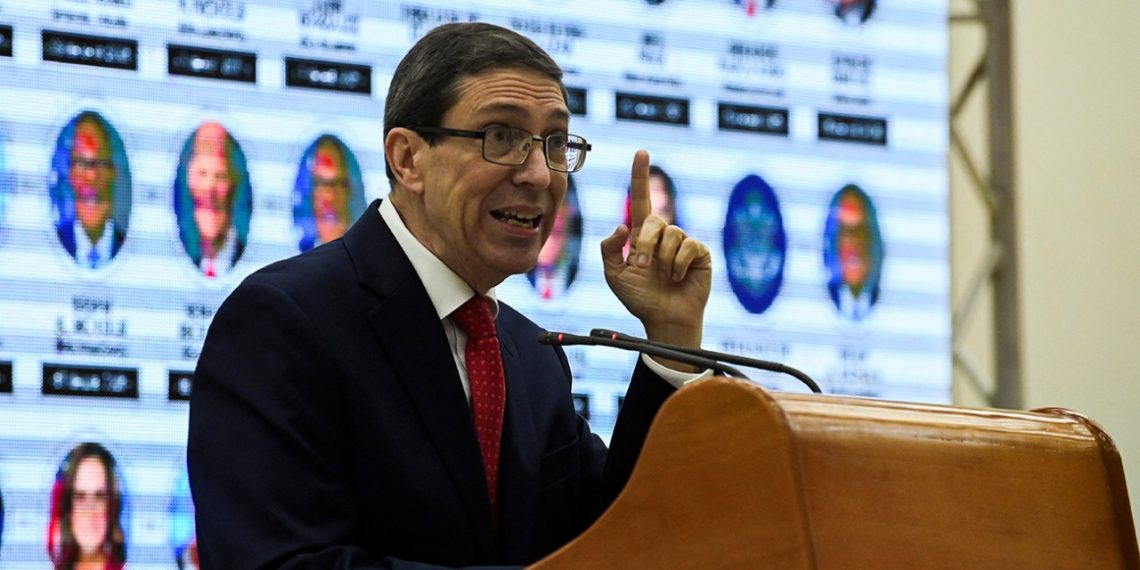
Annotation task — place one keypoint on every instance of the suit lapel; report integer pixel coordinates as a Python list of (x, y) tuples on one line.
[(519, 463), (414, 341)]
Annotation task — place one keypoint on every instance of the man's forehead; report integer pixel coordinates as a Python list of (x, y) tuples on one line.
[(506, 108), (513, 91), (328, 156), (210, 140), (89, 137)]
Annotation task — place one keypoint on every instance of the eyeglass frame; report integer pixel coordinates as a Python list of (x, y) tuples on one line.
[(482, 135)]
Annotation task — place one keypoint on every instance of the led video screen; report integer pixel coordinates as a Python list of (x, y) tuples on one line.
[(155, 152)]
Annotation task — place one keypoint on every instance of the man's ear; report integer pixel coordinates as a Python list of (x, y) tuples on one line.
[(400, 149)]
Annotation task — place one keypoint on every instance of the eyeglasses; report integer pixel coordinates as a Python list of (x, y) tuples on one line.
[(100, 164), (337, 182), (89, 499), (509, 146)]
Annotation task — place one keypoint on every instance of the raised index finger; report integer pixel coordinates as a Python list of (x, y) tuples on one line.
[(639, 205)]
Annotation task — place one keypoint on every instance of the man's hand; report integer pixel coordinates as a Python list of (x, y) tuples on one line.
[(666, 279)]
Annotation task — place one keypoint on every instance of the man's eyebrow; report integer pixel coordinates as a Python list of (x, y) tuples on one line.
[(560, 114)]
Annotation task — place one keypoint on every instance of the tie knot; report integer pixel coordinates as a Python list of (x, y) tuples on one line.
[(474, 317)]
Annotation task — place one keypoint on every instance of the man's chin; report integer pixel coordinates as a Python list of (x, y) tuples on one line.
[(210, 233), (93, 219), (499, 272), (211, 227), (522, 264)]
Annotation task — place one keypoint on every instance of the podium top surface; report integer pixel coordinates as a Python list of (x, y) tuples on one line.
[(734, 476)]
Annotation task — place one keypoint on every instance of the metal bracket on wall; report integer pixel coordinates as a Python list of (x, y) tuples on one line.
[(996, 273)]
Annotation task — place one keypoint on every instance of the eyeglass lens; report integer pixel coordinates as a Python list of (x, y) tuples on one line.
[(506, 145)]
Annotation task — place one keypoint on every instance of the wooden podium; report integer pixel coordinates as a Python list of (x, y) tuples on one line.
[(732, 476)]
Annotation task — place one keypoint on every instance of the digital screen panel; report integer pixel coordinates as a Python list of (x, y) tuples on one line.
[(155, 152)]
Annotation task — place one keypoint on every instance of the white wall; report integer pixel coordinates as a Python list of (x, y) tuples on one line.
[(1077, 166)]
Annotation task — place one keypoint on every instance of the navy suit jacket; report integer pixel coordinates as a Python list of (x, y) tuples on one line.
[(329, 428), (66, 232)]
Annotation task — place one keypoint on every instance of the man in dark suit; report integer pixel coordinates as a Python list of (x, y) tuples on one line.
[(348, 407), (853, 252), (90, 233)]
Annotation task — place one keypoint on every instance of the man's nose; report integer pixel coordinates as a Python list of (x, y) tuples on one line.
[(534, 172)]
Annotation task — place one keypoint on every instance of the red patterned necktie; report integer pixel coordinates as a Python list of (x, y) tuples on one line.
[(488, 387)]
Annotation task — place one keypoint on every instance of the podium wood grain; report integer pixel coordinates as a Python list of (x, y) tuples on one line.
[(732, 476)]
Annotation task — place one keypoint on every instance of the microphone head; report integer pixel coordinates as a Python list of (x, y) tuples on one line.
[(606, 333), (547, 337)]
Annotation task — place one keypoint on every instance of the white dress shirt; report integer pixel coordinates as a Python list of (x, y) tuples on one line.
[(852, 307), (448, 291), (102, 249), (223, 259)]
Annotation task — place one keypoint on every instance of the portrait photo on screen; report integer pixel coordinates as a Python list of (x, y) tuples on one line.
[(90, 188), (663, 197), (6, 176), (852, 252), (755, 243), (750, 6), (853, 11), (87, 511), (662, 194), (1, 515), (213, 200), (329, 192), (183, 538), (557, 264)]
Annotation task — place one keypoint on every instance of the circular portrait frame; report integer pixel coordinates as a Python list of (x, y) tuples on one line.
[(755, 243), (557, 265), (853, 252), (84, 489), (213, 199), (315, 222), (90, 190)]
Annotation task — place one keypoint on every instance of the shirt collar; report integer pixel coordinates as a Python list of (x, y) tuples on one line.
[(83, 245), (224, 258), (446, 290)]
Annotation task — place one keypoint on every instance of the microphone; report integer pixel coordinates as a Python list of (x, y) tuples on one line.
[(664, 351), (714, 356)]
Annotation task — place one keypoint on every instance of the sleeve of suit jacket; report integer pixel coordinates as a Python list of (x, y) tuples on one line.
[(269, 464)]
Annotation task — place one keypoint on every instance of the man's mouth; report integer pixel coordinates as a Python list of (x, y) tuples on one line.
[(517, 219), (87, 195)]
